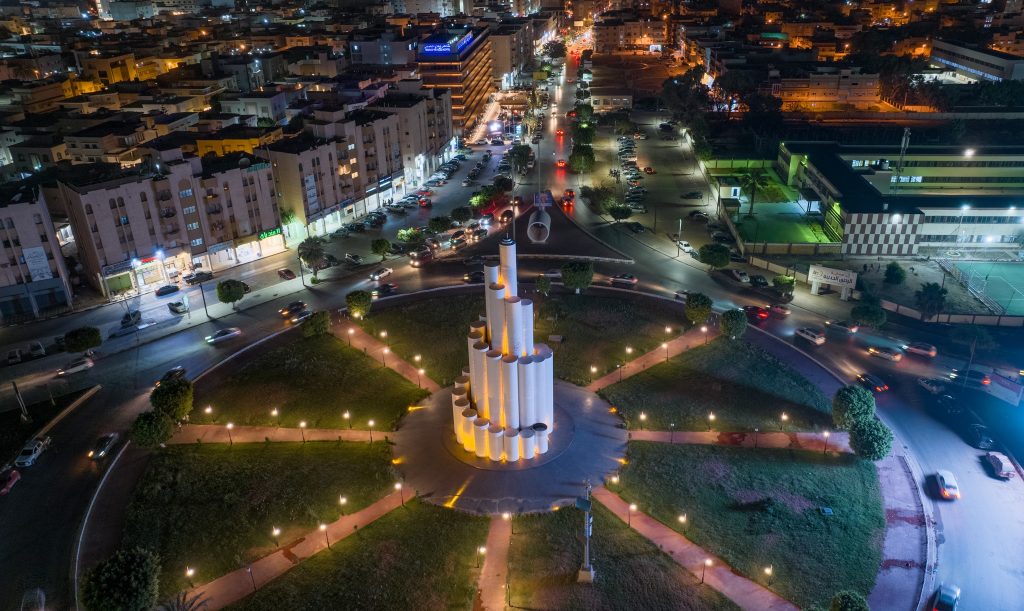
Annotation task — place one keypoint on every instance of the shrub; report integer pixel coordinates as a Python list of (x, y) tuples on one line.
[(852, 404), (151, 429), (714, 255), (127, 581), (734, 323), (698, 308), (358, 303), (543, 285), (82, 339), (230, 291), (173, 398), (848, 601), (316, 325), (895, 274), (619, 212), (869, 315), (871, 439), (577, 275), (380, 247)]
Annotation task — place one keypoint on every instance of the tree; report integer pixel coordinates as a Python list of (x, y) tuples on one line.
[(584, 112), (287, 216), (895, 274), (543, 285), (311, 252), (230, 291), (520, 155), (583, 134), (486, 195), (439, 224), (411, 235), (380, 247), (127, 581), (358, 303), (581, 159), (751, 182), (871, 439), (620, 212), (848, 601), (698, 308), (555, 49), (975, 338), (174, 398), (316, 325), (716, 256), (462, 214), (150, 429), (930, 299), (785, 284), (82, 339), (184, 602), (577, 275), (852, 404), (869, 315), (734, 323), (503, 184)]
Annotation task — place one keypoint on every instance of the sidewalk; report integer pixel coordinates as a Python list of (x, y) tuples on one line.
[(742, 591), (374, 348), (838, 441), (242, 582), (677, 346), (491, 588), (218, 433)]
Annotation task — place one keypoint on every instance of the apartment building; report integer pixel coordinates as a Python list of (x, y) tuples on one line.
[(824, 88), (267, 105), (236, 139), (627, 33), (380, 46), (511, 52), (425, 127), (109, 69), (461, 61), (33, 277)]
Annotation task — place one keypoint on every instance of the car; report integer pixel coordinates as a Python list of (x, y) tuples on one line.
[(467, 182), (458, 242), (872, 382), (559, 132), (722, 238), (947, 486), (174, 373), (36, 349), (167, 289), (289, 310), (385, 289), (131, 318), (624, 279), (353, 259), (1000, 466), (947, 597), (649, 170), (977, 435), (949, 407), (223, 335), (487, 219), (640, 190), (177, 307), (103, 446), (684, 246), (497, 142), (682, 295), (478, 234), (779, 309), (31, 451), (699, 215), (755, 314), (481, 142), (473, 260), (759, 281), (197, 277), (933, 385), (693, 195), (736, 257), (973, 377), (843, 325), (7, 480), (473, 277), (885, 352), (300, 316), (740, 276), (554, 273), (426, 203), (381, 273), (285, 274), (815, 336), (76, 366), (561, 163), (635, 227), (569, 194)]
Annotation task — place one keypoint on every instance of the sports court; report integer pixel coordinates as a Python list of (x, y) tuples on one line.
[(1002, 282)]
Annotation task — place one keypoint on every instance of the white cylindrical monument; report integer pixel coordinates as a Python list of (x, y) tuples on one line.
[(495, 441), (513, 326), (480, 426), (511, 442), (469, 416), (478, 387), (495, 304), (527, 412), (459, 405), (526, 305), (492, 406), (540, 431), (507, 265), (509, 391), (528, 443)]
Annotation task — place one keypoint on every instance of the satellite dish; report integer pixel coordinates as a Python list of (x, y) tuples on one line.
[(244, 162)]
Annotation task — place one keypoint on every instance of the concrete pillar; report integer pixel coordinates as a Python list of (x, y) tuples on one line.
[(526, 305), (480, 426), (495, 441), (511, 443), (527, 379), (513, 326), (474, 365), (540, 431), (507, 264), (492, 406), (494, 303), (509, 392), (469, 417), (529, 444), (458, 407)]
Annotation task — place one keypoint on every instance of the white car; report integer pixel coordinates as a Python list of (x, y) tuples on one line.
[(383, 272), (75, 366), (684, 246), (921, 349), (815, 336), (740, 275), (36, 349), (778, 309), (554, 274), (933, 385), (946, 483), (30, 453), (223, 335)]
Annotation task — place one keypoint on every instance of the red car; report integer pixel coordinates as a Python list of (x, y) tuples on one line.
[(561, 163), (756, 314), (569, 195), (559, 132), (649, 170), (424, 192), (8, 479), (286, 274)]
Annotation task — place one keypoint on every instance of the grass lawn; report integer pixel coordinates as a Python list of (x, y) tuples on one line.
[(631, 572), (14, 433), (312, 379), (758, 507), (212, 506), (417, 557), (597, 330), (744, 386)]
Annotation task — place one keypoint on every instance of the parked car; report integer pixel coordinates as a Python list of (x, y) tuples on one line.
[(76, 366), (177, 307), (684, 246), (197, 277), (103, 446), (843, 325), (815, 336), (31, 451), (699, 215), (779, 309), (289, 310), (872, 382), (974, 377), (7, 480), (353, 259), (223, 335), (933, 385), (131, 318), (693, 195), (36, 349), (285, 274), (167, 289), (977, 435), (947, 486), (14, 356), (759, 281), (739, 275), (381, 273), (635, 227), (722, 237), (885, 352), (649, 170), (999, 465)]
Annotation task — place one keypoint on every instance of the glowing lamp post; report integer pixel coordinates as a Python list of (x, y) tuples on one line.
[(347, 417), (323, 529), (189, 572), (230, 426), (629, 515), (351, 332), (480, 551), (384, 356), (769, 571), (401, 494), (704, 568), (825, 449), (275, 532), (711, 420), (371, 431), (302, 430), (704, 330), (643, 418)]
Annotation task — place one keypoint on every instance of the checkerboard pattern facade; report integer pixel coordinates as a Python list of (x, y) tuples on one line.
[(879, 233)]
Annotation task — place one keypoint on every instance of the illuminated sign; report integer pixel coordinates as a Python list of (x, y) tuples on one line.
[(270, 233), (446, 47)]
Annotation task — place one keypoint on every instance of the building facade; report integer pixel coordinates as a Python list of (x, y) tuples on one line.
[(460, 61)]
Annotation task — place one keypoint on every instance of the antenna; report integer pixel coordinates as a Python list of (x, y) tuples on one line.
[(894, 186)]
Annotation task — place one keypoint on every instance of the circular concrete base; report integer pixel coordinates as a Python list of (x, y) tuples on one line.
[(587, 442)]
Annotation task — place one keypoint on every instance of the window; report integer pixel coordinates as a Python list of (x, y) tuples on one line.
[(197, 242), (189, 210), (38, 219), (113, 204), (185, 193), (192, 226), (88, 208)]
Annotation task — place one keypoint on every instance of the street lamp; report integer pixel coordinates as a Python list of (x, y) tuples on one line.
[(419, 375), (707, 563), (755, 436), (668, 330), (189, 572), (417, 359), (384, 336), (643, 419), (208, 410), (401, 495), (384, 356), (323, 529), (273, 414), (682, 521), (615, 479), (508, 518), (351, 332), (480, 551), (346, 416), (274, 533), (230, 426), (593, 370), (302, 430), (664, 345), (825, 449), (371, 431), (711, 420), (252, 578), (768, 570), (704, 330), (342, 500), (629, 515), (672, 435), (783, 418)]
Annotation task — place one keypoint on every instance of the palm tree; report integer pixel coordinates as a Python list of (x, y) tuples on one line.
[(182, 602), (311, 252), (751, 182), (930, 299)]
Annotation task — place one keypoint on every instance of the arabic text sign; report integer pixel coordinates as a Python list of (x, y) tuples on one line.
[(833, 277)]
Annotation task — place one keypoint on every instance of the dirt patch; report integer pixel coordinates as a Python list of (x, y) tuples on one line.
[(716, 470), (896, 515), (794, 502), (890, 563)]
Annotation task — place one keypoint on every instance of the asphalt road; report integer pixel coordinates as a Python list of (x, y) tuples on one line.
[(980, 535)]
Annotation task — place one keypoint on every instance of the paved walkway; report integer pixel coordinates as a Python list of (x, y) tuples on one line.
[(218, 433), (838, 441), (238, 584), (692, 338), (373, 347), (491, 594), (740, 590)]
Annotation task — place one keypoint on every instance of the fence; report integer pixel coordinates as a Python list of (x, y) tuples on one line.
[(974, 288)]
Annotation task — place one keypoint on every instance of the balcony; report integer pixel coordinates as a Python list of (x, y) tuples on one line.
[(163, 196), (171, 229), (168, 213), (214, 209)]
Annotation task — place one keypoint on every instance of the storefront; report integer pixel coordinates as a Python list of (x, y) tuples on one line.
[(225, 255)]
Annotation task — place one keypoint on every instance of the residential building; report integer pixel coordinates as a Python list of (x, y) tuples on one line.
[(109, 69), (628, 32), (459, 60), (379, 46), (976, 63), (236, 139), (266, 105), (425, 127), (608, 99), (823, 88), (511, 51)]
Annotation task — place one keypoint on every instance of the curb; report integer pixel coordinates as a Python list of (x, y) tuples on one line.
[(67, 410)]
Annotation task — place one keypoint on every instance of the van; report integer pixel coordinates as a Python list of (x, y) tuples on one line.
[(815, 336), (1000, 465)]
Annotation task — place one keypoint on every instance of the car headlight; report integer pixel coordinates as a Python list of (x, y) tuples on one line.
[(91, 453), (209, 337)]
